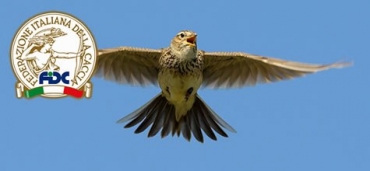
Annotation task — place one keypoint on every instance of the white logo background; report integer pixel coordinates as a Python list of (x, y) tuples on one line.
[(72, 50)]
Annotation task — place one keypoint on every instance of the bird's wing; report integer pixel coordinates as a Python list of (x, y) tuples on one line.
[(237, 69), (137, 66)]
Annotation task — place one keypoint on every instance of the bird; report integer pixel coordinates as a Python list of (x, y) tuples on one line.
[(181, 70)]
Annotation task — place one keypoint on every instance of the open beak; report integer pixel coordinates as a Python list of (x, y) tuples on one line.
[(192, 40)]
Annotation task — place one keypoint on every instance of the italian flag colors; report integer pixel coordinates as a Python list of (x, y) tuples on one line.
[(54, 90)]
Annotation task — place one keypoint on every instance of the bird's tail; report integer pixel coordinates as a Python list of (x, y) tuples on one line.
[(159, 113)]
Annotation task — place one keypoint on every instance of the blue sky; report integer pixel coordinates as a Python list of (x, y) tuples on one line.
[(318, 122)]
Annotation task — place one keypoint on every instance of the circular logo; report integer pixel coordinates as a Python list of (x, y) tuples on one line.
[(53, 54)]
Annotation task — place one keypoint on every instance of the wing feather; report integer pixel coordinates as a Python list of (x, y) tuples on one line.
[(129, 65), (237, 69)]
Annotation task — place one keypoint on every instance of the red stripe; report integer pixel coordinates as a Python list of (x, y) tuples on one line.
[(73, 92)]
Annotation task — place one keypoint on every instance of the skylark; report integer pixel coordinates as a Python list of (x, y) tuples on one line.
[(180, 70)]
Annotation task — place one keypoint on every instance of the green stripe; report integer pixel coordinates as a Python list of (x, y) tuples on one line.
[(34, 92)]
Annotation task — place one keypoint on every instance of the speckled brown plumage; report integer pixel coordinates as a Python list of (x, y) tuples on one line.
[(180, 70)]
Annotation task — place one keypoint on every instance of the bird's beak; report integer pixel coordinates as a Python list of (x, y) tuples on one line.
[(192, 40)]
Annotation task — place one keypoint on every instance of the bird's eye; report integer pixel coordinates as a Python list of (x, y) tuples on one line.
[(182, 35)]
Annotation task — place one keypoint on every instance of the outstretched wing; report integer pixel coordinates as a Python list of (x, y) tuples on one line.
[(136, 66), (237, 69)]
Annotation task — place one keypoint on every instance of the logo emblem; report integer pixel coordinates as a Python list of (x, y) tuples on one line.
[(53, 55)]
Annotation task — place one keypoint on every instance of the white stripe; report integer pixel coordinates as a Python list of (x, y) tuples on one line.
[(53, 89)]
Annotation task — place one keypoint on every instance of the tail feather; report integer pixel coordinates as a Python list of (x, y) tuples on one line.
[(158, 123), (210, 119), (195, 126), (159, 113), (203, 123), (154, 110), (168, 122), (138, 115), (217, 118), (184, 129)]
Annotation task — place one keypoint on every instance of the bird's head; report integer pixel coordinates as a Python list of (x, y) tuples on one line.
[(185, 43)]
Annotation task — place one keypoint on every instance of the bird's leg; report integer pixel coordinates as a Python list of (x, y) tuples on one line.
[(168, 90), (188, 92)]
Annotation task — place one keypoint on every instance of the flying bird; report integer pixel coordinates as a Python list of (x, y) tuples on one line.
[(180, 70)]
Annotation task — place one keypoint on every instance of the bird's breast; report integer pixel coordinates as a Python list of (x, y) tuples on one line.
[(180, 89), (176, 84)]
